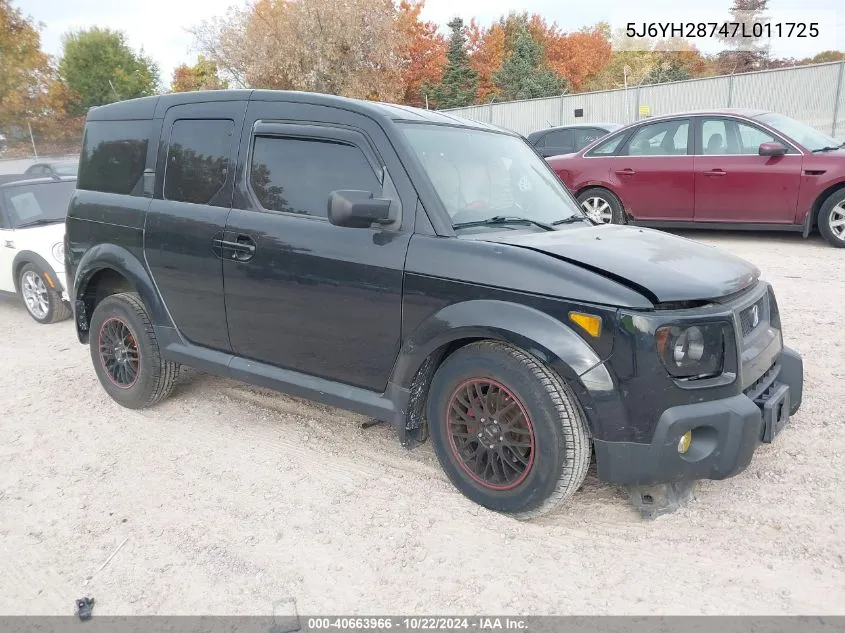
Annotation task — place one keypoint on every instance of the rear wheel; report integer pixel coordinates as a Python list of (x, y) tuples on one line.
[(43, 303), (507, 431), (832, 219), (601, 206), (126, 355)]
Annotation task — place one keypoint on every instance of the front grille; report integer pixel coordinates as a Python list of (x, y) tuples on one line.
[(754, 316), (760, 386)]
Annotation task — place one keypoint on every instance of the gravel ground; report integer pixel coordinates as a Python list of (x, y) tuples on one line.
[(230, 498)]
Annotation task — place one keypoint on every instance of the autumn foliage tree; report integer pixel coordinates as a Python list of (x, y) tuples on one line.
[(24, 68), (201, 76), (422, 51)]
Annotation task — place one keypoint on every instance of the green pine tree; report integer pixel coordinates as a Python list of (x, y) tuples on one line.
[(459, 84), (524, 76)]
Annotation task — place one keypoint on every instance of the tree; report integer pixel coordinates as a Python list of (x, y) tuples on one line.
[(349, 48), (581, 55), (201, 76), (744, 54), (99, 67), (524, 75), (24, 68), (487, 53), (459, 84), (423, 51)]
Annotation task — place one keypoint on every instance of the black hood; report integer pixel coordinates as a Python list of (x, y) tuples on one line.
[(662, 266)]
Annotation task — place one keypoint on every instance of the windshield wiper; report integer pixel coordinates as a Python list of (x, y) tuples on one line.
[(828, 148), (504, 219), (41, 222), (572, 219)]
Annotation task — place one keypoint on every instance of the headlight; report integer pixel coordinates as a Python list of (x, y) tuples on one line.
[(696, 351), (59, 252)]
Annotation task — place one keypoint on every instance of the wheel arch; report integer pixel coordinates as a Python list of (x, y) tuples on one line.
[(817, 206), (537, 333), (31, 257), (107, 269)]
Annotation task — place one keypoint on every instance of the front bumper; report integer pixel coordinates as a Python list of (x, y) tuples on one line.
[(725, 433), (61, 279)]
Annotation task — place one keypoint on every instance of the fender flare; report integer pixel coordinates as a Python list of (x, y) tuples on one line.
[(120, 260), (532, 330), (34, 258)]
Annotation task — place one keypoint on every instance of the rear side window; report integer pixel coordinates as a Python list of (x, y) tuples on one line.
[(297, 175), (608, 147), (560, 138), (198, 160), (113, 156)]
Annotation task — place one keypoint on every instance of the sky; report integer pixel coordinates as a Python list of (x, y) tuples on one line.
[(159, 26)]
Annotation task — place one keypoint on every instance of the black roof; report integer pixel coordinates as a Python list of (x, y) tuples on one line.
[(575, 126), (156, 106)]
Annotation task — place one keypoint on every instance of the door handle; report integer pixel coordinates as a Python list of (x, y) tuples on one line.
[(626, 172), (716, 172), (243, 247)]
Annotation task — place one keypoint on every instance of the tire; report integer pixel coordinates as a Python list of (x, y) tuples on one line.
[(554, 443), (135, 376), (43, 303), (830, 216), (602, 206)]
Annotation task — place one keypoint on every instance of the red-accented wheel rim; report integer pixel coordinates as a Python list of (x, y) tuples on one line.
[(490, 433), (119, 353)]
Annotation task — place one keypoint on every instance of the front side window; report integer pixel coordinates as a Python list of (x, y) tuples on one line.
[(479, 175), (113, 156), (665, 138), (198, 160), (295, 175), (37, 205), (721, 136), (751, 138)]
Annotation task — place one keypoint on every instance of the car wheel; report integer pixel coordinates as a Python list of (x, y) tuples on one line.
[(601, 206), (43, 303), (832, 219), (507, 431), (126, 355)]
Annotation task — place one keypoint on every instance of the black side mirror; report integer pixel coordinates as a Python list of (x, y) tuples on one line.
[(772, 149), (359, 209)]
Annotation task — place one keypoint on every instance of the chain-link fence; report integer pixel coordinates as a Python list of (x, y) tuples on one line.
[(24, 146), (812, 94)]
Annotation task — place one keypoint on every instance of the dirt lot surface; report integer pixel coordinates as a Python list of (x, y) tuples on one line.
[(229, 498)]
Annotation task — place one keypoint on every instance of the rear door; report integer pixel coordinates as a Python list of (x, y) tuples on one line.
[(733, 183), (301, 293), (653, 172), (193, 195)]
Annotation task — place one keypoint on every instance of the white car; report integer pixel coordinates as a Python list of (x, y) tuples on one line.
[(32, 257)]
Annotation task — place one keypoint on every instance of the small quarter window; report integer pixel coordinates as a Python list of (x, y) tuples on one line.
[(113, 156)]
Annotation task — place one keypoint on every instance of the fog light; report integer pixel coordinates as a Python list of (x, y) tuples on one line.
[(684, 442)]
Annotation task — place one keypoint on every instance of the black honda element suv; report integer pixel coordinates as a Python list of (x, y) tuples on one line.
[(424, 270)]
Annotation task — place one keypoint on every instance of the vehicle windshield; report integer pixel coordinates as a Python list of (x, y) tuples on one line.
[(37, 205), (482, 175), (799, 132)]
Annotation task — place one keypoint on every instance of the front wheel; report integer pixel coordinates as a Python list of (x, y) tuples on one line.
[(507, 431), (832, 219), (43, 303), (601, 206)]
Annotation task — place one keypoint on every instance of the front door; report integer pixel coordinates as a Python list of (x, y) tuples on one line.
[(195, 167), (733, 183), (653, 172), (301, 293)]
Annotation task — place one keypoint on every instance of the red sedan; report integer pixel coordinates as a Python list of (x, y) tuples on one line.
[(741, 169)]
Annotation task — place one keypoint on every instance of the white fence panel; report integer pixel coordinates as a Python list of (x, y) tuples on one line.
[(812, 94)]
